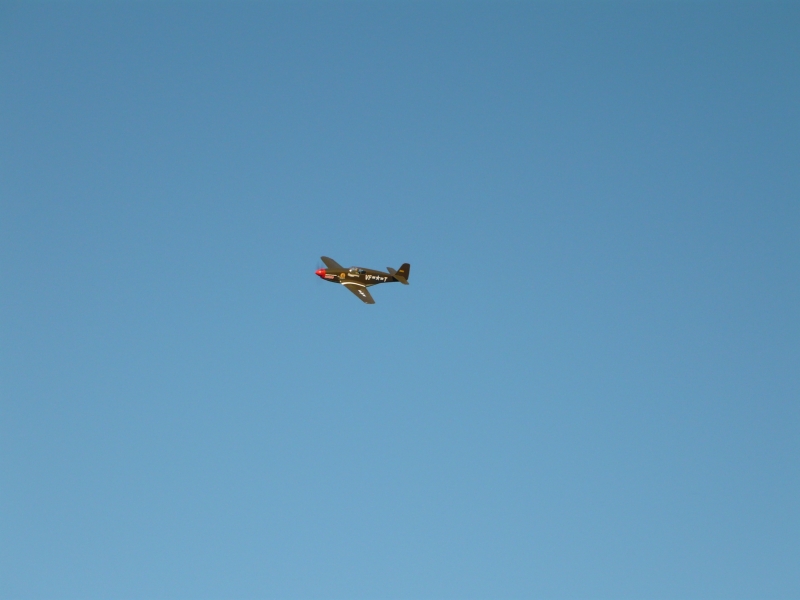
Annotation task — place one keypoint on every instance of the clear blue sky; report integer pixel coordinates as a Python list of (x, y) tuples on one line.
[(591, 388)]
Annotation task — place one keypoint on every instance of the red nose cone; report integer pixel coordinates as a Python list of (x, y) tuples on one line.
[(320, 272)]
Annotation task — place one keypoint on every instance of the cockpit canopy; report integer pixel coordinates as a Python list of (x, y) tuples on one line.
[(355, 270)]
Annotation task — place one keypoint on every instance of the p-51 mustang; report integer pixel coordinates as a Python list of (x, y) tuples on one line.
[(357, 279)]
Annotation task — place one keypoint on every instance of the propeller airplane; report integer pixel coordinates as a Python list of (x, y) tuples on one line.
[(358, 279)]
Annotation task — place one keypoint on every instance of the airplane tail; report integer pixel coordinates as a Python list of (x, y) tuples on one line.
[(402, 273)]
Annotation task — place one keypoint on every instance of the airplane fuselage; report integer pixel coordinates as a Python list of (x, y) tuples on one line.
[(358, 275)]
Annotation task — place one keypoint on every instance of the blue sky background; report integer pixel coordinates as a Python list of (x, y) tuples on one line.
[(589, 390)]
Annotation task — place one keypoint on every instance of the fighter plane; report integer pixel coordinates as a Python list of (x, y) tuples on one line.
[(358, 279)]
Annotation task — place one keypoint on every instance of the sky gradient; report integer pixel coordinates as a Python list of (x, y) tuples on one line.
[(590, 388)]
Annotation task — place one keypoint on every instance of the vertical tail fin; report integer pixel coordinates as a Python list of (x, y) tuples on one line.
[(401, 274)]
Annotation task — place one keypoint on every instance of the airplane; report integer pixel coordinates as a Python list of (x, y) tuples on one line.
[(358, 279)]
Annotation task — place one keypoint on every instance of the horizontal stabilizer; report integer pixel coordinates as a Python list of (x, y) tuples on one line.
[(401, 274)]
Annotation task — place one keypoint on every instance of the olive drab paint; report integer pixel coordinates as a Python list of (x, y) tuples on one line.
[(358, 279)]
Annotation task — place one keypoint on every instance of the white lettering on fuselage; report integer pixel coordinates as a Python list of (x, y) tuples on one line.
[(375, 277)]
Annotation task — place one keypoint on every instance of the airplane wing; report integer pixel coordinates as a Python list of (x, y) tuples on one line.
[(332, 264), (360, 291)]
